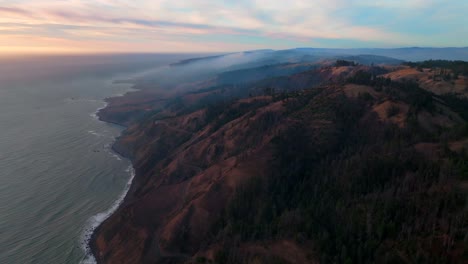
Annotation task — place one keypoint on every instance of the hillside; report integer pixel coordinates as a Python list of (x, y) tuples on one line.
[(336, 164)]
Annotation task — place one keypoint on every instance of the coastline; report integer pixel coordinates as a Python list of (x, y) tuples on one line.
[(90, 234)]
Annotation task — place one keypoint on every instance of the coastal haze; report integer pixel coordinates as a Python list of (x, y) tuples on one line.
[(58, 171)]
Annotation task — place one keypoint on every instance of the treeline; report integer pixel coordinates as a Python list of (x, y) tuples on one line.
[(456, 103), (340, 63), (221, 113), (407, 91), (457, 67), (357, 189)]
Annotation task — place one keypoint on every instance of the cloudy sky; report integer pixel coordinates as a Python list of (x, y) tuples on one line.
[(231, 25)]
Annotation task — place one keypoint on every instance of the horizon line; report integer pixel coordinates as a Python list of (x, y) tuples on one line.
[(84, 53)]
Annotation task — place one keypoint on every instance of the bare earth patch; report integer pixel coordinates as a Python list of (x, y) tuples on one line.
[(399, 118)]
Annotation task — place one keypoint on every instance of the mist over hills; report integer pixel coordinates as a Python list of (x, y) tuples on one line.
[(309, 54), (200, 68)]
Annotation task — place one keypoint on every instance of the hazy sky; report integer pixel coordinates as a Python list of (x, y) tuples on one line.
[(202, 25)]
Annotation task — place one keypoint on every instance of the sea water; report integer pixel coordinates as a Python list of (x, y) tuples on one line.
[(59, 177)]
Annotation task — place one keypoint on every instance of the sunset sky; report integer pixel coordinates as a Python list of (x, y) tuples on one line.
[(214, 26)]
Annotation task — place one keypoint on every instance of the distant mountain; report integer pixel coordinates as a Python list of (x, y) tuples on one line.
[(371, 59), (408, 54), (257, 58), (193, 60), (202, 68)]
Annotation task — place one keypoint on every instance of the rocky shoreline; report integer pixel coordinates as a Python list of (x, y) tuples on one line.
[(121, 151)]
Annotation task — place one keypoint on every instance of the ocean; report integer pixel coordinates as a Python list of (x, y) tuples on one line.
[(59, 177)]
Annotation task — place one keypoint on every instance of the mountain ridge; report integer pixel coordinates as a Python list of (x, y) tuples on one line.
[(211, 168)]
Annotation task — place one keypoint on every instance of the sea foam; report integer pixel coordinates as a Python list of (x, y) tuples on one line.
[(108, 149), (97, 219), (95, 114)]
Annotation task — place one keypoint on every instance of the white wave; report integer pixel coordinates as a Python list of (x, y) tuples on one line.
[(94, 115), (92, 132), (108, 149), (77, 100), (120, 94), (97, 219), (117, 157)]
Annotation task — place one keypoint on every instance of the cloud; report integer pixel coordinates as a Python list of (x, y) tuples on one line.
[(12, 10), (273, 23)]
